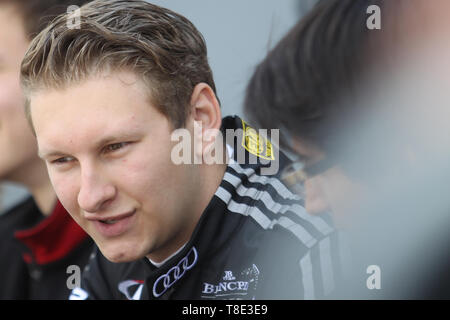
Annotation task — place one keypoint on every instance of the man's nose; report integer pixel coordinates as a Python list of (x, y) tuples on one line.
[(96, 190)]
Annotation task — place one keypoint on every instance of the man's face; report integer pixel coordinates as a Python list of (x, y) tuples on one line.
[(331, 190), (108, 151), (17, 144)]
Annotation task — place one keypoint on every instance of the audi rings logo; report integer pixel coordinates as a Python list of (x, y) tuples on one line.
[(175, 273)]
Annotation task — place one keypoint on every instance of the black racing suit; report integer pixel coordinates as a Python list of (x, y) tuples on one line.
[(253, 241)]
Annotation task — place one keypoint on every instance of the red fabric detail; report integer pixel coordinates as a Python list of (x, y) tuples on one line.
[(27, 258), (53, 238)]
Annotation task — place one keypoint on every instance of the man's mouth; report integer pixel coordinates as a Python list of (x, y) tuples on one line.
[(112, 219), (114, 225), (109, 221)]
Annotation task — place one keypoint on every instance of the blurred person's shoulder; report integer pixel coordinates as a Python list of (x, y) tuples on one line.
[(23, 215), (14, 276)]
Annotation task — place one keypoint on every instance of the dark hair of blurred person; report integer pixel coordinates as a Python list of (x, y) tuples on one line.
[(39, 239)]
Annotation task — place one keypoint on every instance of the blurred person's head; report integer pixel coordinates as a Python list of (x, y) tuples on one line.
[(299, 88), (20, 20), (324, 87), (103, 101)]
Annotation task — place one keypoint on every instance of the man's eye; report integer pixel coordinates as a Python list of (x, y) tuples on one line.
[(115, 146), (61, 161)]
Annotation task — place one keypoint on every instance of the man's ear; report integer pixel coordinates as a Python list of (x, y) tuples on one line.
[(207, 117)]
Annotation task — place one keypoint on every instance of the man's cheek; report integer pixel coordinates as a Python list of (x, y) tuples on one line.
[(135, 175), (66, 191)]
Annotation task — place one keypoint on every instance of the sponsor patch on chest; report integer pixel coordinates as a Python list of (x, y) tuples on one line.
[(233, 285)]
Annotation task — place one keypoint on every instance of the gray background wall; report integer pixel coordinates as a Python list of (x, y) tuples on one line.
[(238, 34)]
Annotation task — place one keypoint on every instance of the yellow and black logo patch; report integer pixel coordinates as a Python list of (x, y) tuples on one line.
[(256, 144)]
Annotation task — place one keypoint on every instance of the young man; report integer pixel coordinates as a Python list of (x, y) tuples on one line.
[(104, 100), (39, 240)]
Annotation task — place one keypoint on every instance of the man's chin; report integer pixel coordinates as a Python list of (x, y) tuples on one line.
[(118, 256)]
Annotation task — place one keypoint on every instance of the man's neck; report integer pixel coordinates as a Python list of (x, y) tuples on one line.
[(211, 178)]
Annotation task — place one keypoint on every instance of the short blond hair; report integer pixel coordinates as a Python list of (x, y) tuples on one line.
[(161, 47)]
